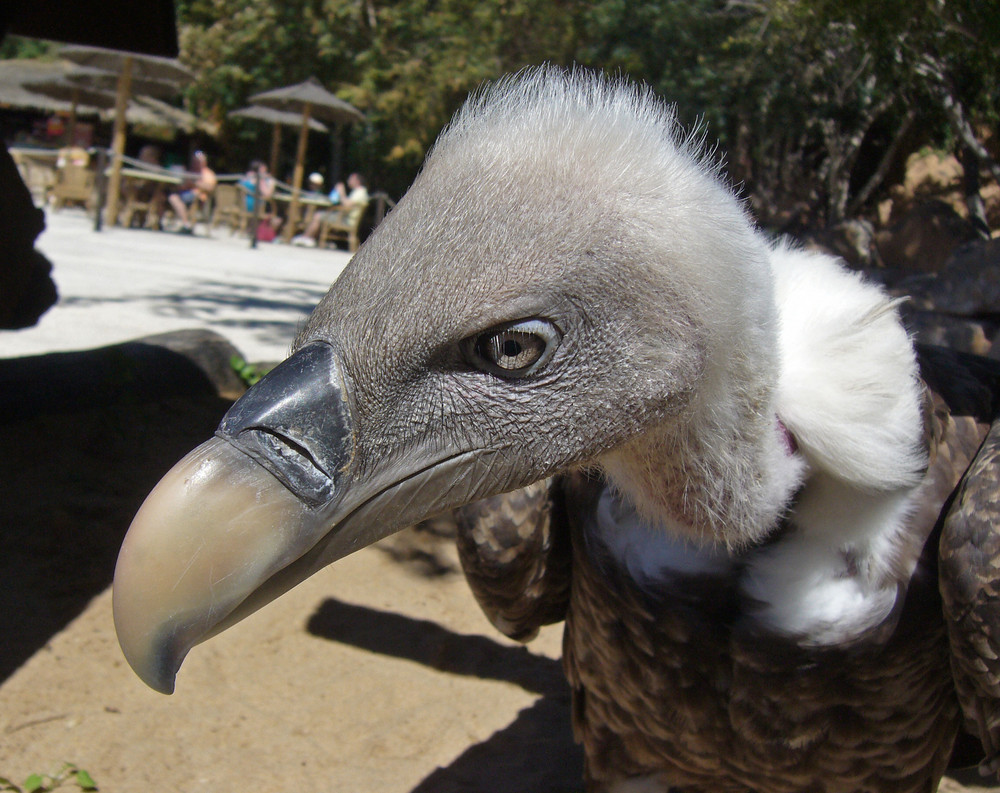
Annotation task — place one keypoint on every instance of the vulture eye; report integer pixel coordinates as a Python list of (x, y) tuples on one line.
[(516, 350)]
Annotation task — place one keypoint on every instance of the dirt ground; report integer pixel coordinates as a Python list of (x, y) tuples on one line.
[(378, 675)]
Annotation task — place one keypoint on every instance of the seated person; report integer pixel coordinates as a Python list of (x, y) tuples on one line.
[(197, 189), (349, 210), (315, 183), (316, 189)]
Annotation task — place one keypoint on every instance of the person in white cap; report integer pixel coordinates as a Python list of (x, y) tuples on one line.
[(350, 209)]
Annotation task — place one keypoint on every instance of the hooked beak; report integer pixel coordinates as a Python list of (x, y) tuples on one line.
[(266, 503)]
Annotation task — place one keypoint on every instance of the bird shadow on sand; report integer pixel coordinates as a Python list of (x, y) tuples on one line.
[(535, 752)]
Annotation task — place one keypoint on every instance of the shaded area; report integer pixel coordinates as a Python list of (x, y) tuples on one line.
[(264, 311), (535, 752), (422, 549), (210, 298), (86, 436)]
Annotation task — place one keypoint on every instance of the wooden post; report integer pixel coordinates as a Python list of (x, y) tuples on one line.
[(275, 150), (300, 158), (101, 185), (255, 220), (71, 134), (118, 139)]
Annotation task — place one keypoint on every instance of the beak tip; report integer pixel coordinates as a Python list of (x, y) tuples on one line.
[(158, 677), (193, 555), (152, 659)]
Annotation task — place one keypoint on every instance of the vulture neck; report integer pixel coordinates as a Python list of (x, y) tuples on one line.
[(722, 473), (838, 377)]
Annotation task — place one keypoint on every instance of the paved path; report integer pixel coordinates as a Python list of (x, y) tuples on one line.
[(121, 284)]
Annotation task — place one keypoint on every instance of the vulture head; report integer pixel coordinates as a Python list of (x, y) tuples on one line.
[(567, 283)]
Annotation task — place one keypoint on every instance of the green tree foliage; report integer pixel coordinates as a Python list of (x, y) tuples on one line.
[(408, 65), (811, 100), (20, 47)]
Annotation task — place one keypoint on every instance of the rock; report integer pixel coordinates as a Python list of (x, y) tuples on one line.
[(959, 333), (959, 306), (967, 286), (970, 281), (924, 239), (209, 351), (181, 363), (852, 240)]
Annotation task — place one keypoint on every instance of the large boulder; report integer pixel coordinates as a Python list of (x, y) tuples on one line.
[(852, 240), (924, 238), (185, 363), (959, 306)]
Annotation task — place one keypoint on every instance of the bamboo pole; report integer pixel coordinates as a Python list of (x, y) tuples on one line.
[(118, 139), (275, 148), (300, 159)]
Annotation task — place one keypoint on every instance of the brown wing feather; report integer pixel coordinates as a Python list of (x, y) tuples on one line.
[(965, 402), (970, 586), (514, 549)]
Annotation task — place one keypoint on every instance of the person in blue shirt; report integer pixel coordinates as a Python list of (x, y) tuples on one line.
[(257, 170)]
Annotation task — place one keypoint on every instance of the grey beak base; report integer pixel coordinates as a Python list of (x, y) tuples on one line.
[(295, 422)]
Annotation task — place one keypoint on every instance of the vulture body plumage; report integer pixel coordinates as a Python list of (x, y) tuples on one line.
[(766, 519)]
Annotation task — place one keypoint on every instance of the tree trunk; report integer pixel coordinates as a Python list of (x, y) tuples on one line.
[(971, 185), (885, 163)]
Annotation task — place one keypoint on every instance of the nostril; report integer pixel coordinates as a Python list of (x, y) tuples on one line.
[(290, 462), (283, 447), (296, 423)]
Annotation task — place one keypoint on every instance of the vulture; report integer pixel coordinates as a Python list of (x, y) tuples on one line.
[(766, 517)]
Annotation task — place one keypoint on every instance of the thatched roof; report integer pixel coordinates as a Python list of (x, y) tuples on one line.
[(144, 67), (16, 72), (322, 104), (272, 116)]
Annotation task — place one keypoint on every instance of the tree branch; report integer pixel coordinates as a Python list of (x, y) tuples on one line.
[(884, 164)]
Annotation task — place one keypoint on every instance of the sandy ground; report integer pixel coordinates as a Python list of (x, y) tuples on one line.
[(379, 674)]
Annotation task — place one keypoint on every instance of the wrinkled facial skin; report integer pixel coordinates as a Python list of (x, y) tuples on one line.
[(411, 384)]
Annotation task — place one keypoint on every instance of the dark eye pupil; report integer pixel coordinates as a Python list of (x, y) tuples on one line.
[(511, 351)]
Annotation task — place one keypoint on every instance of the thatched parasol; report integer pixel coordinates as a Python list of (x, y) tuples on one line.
[(277, 118), (143, 67), (16, 73), (100, 80), (311, 100), (128, 66), (76, 94), (152, 112), (146, 110)]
